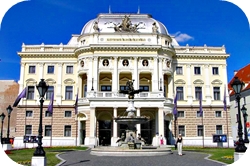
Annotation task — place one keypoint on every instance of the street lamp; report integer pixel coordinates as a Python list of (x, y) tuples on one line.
[(42, 89), (9, 110), (2, 116), (160, 84), (244, 112), (237, 87)]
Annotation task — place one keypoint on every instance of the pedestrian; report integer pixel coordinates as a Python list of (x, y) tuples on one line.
[(179, 142), (161, 140)]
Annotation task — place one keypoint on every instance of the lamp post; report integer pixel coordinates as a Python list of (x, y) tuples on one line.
[(42, 89), (2, 116), (9, 110), (237, 87), (160, 84), (92, 84), (244, 112)]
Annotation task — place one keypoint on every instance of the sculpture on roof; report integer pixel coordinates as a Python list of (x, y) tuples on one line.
[(95, 27), (126, 26), (154, 28)]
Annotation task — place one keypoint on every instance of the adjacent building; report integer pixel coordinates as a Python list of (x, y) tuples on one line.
[(95, 64)]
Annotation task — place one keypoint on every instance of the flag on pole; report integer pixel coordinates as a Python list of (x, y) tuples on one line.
[(225, 100), (19, 97), (50, 107), (201, 112), (76, 104), (175, 111)]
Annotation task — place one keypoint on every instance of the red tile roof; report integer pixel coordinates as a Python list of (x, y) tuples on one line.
[(243, 75)]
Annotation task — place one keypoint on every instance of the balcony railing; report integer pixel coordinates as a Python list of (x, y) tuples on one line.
[(121, 95)]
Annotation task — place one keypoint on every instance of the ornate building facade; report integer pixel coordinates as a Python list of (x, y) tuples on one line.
[(95, 64)]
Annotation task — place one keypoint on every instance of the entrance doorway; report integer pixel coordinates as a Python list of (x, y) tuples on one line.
[(105, 132), (167, 132), (146, 131), (82, 132)]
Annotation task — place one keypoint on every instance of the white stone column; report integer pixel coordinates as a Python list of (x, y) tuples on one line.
[(161, 121), (207, 86), (114, 138), (161, 77), (80, 95), (21, 81), (115, 76), (138, 113), (95, 73), (170, 87), (92, 128), (135, 76), (41, 65), (59, 84), (189, 85), (90, 74), (155, 84)]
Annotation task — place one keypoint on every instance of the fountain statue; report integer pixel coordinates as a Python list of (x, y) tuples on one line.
[(131, 119)]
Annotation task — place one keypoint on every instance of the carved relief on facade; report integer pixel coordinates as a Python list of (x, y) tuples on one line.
[(144, 62), (125, 62), (105, 62)]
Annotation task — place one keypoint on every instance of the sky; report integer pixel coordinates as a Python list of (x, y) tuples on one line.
[(193, 22)]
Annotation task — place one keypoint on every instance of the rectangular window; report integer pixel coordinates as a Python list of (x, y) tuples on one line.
[(31, 91), (164, 91), (181, 114), (69, 69), (32, 69), (28, 129), (180, 93), (50, 70), (85, 91), (123, 87), (67, 114), (181, 130), (198, 91), (216, 93), (217, 113), (67, 131), (215, 70), (199, 114), (49, 92), (144, 88), (47, 114), (68, 92), (47, 130), (219, 129), (29, 113), (179, 70), (197, 70), (106, 88), (200, 130)]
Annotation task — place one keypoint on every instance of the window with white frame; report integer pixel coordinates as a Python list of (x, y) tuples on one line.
[(179, 70), (50, 70), (67, 131), (197, 70), (48, 114), (215, 70), (181, 114), (219, 129), (106, 88), (217, 114), (67, 113), (68, 92), (85, 91), (199, 114), (144, 88), (216, 93), (32, 69), (200, 130), (49, 92), (198, 91), (31, 91), (29, 113), (181, 130), (28, 129), (47, 130), (180, 93), (69, 69)]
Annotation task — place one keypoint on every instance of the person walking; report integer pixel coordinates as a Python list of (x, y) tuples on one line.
[(179, 142), (161, 140)]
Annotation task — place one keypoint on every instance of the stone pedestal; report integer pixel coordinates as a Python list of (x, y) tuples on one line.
[(38, 161), (238, 155), (7, 146)]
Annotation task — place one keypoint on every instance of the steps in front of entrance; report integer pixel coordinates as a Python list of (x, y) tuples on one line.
[(118, 151)]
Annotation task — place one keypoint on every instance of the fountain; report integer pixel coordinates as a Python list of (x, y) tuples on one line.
[(130, 145)]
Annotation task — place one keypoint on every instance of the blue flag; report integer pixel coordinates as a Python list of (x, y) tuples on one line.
[(175, 112), (76, 104), (19, 97), (50, 107), (201, 104)]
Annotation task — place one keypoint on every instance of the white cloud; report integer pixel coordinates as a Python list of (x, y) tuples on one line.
[(182, 37)]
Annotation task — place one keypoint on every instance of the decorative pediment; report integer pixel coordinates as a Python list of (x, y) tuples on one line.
[(144, 79), (198, 81), (216, 82), (81, 116), (31, 81), (105, 79), (180, 81), (50, 81), (69, 81), (124, 79)]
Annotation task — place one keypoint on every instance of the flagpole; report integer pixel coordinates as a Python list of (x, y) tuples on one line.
[(51, 130), (227, 130), (202, 130), (25, 114)]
